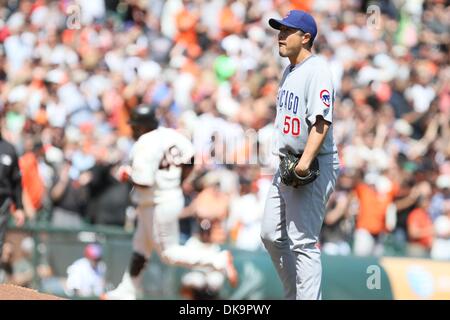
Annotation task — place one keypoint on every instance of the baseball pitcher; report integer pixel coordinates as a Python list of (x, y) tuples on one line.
[(161, 159), (309, 165)]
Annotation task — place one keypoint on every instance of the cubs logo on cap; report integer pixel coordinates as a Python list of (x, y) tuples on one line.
[(325, 97)]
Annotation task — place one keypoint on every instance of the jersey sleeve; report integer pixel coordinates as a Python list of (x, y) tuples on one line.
[(145, 163), (184, 145), (320, 96)]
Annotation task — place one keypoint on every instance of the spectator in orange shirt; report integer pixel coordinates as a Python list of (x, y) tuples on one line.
[(186, 21), (32, 182), (305, 5), (420, 229), (211, 206), (375, 195), (228, 21)]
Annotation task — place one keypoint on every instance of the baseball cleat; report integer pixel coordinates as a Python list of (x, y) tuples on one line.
[(118, 295), (124, 291)]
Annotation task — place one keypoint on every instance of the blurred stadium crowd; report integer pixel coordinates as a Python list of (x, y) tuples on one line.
[(69, 76)]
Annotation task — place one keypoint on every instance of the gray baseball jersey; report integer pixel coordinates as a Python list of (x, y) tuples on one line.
[(306, 91), (293, 217)]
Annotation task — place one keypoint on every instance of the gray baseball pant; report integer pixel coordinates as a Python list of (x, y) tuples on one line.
[(291, 227)]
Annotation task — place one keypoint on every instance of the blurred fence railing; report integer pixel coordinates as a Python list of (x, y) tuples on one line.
[(344, 277), (59, 247)]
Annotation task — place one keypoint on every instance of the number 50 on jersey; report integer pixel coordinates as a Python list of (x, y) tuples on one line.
[(291, 125)]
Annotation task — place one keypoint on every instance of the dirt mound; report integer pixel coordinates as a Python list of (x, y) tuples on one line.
[(11, 292)]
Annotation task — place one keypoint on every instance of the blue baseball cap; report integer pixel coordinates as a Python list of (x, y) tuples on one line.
[(297, 19)]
